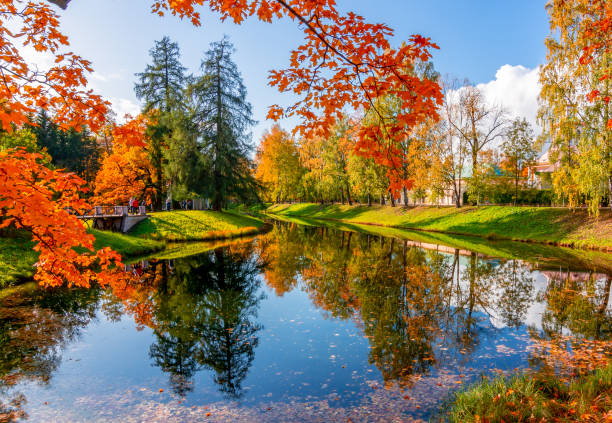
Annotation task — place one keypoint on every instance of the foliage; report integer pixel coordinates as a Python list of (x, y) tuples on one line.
[(71, 150), (575, 75), (25, 88), (127, 171), (36, 198), (278, 167), (518, 151), (161, 87), (344, 62), (221, 117)]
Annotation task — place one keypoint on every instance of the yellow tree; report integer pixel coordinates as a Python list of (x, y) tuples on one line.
[(575, 75), (278, 165)]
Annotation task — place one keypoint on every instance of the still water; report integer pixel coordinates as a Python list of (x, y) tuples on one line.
[(300, 324)]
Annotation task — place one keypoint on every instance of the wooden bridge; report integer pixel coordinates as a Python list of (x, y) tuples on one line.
[(114, 218)]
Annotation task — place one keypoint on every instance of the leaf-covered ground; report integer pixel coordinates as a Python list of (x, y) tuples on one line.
[(540, 224)]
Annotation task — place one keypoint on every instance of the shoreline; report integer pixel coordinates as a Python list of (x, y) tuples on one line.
[(445, 217)]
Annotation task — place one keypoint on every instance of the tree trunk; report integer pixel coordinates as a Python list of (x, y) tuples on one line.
[(382, 200), (405, 192), (348, 195), (392, 200), (369, 200)]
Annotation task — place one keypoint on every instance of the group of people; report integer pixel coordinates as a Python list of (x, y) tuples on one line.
[(185, 204), (133, 205)]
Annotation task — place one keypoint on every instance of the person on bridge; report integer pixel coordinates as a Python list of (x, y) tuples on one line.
[(130, 201), (135, 206)]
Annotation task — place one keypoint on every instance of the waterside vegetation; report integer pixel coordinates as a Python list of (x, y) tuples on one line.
[(555, 226)]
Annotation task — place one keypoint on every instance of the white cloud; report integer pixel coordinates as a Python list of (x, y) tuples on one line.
[(123, 106), (516, 88)]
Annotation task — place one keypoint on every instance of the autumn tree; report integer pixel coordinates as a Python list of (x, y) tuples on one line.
[(575, 94), (518, 150), (127, 172), (278, 167), (33, 197), (478, 124), (344, 62)]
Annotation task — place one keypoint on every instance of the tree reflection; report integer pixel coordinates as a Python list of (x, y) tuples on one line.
[(416, 305), (35, 324), (203, 317)]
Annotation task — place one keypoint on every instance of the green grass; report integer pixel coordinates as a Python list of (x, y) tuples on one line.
[(536, 397), (16, 259), (125, 245), (547, 257), (196, 225), (537, 224)]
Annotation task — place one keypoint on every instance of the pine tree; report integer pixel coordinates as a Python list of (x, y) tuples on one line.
[(161, 84), (160, 87), (222, 116)]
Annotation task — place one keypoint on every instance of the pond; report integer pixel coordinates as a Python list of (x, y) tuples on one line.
[(303, 323)]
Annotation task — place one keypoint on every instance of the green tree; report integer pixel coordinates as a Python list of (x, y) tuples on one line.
[(518, 150), (574, 124), (222, 116), (160, 87), (75, 151)]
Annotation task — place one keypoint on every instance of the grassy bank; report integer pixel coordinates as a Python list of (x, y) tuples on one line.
[(17, 257), (576, 259), (526, 398), (546, 225), (196, 225)]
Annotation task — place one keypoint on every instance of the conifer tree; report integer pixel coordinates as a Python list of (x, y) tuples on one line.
[(223, 116), (160, 87)]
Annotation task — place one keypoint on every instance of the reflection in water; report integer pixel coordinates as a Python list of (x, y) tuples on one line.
[(423, 311), (202, 311), (35, 325), (422, 307)]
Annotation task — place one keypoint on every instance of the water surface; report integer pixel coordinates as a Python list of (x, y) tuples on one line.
[(303, 323)]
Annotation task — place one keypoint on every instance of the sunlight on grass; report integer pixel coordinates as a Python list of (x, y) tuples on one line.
[(196, 225), (548, 225)]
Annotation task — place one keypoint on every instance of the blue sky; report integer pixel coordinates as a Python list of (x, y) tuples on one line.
[(476, 38)]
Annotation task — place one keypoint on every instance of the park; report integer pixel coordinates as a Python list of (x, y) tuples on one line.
[(305, 211)]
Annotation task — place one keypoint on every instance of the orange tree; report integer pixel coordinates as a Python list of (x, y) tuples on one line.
[(127, 172), (343, 62), (32, 196)]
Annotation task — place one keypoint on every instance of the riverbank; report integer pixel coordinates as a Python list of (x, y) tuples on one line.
[(196, 225), (529, 397), (546, 225), (17, 258)]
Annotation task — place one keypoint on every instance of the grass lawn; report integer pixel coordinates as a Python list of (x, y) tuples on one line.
[(525, 398), (17, 257), (125, 245), (577, 259), (196, 225), (540, 224)]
